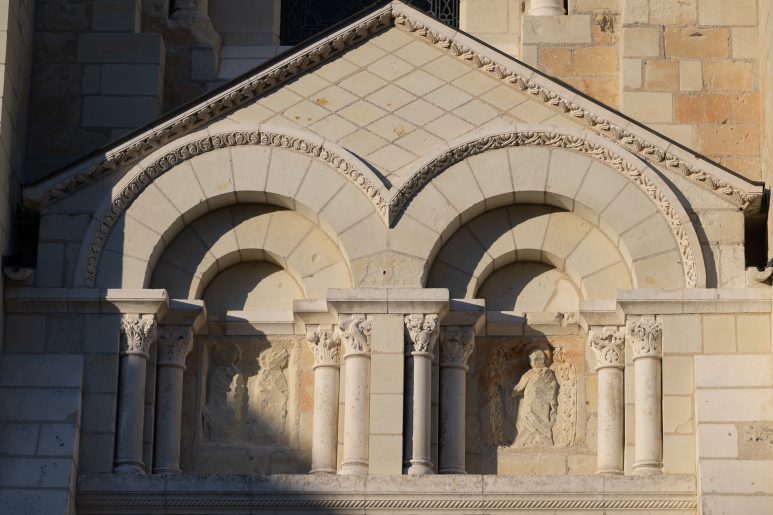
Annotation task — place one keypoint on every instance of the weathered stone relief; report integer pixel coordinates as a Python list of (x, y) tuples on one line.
[(248, 393), (421, 331), (355, 332), (137, 335), (224, 408), (645, 337), (538, 404)]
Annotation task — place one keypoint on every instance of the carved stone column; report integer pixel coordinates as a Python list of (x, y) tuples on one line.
[(324, 344), (174, 345), (645, 335), (137, 336), (356, 331), (456, 346), (609, 347), (546, 8), (421, 332)]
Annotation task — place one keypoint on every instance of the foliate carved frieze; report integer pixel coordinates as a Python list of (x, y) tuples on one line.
[(424, 175), (355, 332), (645, 335), (174, 344), (324, 343), (421, 333), (456, 345), (137, 335), (609, 346)]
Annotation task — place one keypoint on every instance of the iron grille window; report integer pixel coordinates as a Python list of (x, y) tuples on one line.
[(302, 19)]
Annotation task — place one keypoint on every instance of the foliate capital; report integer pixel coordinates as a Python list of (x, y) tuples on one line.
[(609, 346), (421, 332), (356, 331), (645, 335), (456, 345), (175, 342), (137, 335), (324, 343)]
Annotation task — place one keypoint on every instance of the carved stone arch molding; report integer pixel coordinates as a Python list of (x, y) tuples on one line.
[(140, 177), (581, 143)]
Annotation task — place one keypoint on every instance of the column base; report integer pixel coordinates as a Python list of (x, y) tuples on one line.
[(167, 470), (322, 471), (609, 472), (420, 468), (354, 468), (128, 467), (648, 468)]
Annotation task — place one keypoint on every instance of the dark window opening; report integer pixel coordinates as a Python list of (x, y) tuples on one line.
[(302, 19)]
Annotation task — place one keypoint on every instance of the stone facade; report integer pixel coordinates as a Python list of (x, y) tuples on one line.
[(395, 270)]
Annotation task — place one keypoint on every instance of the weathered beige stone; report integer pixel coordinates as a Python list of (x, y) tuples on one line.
[(690, 75), (716, 12), (632, 73), (728, 75), (718, 441), (679, 454), (753, 333), (677, 414), (557, 29), (677, 373), (719, 334), (661, 75), (649, 107), (641, 42), (687, 42)]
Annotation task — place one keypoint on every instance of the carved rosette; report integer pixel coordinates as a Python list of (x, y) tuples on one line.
[(609, 346), (456, 346), (137, 335), (324, 344), (356, 332), (645, 335), (421, 333), (174, 344)]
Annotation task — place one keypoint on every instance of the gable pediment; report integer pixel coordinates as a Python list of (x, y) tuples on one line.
[(396, 89)]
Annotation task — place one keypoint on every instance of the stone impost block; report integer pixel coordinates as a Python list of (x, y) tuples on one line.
[(121, 48)]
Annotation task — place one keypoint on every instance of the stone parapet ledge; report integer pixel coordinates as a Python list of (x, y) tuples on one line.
[(107, 494), (85, 300), (694, 300)]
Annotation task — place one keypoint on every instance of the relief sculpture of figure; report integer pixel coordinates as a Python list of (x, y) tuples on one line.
[(539, 406), (225, 394)]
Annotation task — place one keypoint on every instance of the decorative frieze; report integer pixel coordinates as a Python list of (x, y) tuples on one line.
[(421, 333), (645, 335), (609, 346), (324, 343), (137, 335)]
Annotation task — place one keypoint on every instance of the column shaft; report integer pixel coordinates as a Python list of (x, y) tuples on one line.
[(546, 8), (356, 331), (609, 345), (324, 344), (137, 335), (456, 346), (174, 345), (421, 332), (646, 344)]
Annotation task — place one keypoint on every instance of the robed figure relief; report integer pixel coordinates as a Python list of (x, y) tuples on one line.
[(537, 392), (541, 409)]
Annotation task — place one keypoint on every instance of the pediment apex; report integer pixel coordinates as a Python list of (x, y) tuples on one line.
[(621, 131)]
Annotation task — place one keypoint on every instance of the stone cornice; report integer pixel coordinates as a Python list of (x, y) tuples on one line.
[(85, 300), (106, 494), (642, 142)]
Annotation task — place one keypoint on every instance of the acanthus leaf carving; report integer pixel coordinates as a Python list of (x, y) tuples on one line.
[(609, 347), (456, 345), (137, 335), (355, 331), (324, 343), (421, 332), (174, 345), (645, 335)]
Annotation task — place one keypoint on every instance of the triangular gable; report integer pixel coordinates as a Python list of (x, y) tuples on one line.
[(402, 84)]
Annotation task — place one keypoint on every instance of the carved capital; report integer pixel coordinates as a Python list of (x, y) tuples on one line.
[(137, 335), (456, 345), (324, 344), (175, 342), (645, 337), (609, 346), (421, 332), (356, 332)]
